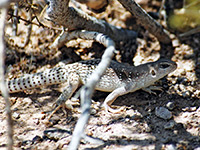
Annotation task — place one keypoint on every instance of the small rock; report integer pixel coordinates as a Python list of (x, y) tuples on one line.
[(170, 147), (16, 115), (127, 120), (190, 109), (186, 94), (175, 43), (37, 139), (165, 139), (93, 111), (56, 134), (169, 125), (193, 83), (163, 113), (170, 105)]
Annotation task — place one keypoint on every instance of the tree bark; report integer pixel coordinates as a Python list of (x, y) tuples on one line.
[(75, 19), (146, 21)]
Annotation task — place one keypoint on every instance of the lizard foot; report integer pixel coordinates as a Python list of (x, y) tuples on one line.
[(151, 88), (67, 105), (108, 109)]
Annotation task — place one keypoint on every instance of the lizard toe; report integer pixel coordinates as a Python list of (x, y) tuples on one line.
[(116, 111), (108, 109), (67, 105)]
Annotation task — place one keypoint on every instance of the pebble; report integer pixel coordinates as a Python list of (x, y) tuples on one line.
[(93, 111), (16, 115), (56, 134), (163, 113), (190, 109), (169, 125), (186, 94), (170, 105), (175, 43), (170, 147)]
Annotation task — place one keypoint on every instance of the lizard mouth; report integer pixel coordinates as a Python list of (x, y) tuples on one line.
[(174, 66)]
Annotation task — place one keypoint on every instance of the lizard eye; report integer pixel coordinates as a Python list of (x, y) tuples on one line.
[(164, 66)]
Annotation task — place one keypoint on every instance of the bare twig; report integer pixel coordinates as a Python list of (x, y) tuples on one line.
[(190, 32), (5, 2), (73, 19), (3, 88), (15, 20), (88, 89), (67, 36), (146, 20), (29, 26), (39, 24)]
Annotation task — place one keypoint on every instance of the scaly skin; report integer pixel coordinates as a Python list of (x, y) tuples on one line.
[(118, 79)]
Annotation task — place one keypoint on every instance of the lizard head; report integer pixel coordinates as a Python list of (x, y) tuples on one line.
[(161, 68)]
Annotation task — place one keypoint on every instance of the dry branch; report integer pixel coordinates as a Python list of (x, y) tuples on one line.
[(88, 89), (146, 21), (4, 3), (74, 19), (15, 21), (3, 88), (27, 39)]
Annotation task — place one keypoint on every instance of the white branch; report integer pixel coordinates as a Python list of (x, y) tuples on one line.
[(3, 88), (88, 88), (75, 19)]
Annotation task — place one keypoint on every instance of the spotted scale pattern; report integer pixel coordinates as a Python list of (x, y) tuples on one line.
[(109, 80), (118, 78), (48, 77)]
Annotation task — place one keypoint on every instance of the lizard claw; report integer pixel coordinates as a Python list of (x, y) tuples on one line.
[(151, 88), (68, 105), (56, 106), (108, 109)]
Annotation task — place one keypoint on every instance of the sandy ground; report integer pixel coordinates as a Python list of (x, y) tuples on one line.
[(138, 127)]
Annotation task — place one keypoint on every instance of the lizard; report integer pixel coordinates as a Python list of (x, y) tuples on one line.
[(119, 79)]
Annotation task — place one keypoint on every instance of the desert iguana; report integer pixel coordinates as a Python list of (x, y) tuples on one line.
[(119, 79)]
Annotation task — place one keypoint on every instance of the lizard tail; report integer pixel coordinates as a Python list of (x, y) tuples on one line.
[(48, 77)]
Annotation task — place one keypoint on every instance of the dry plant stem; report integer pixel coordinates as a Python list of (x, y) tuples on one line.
[(73, 19), (190, 32), (3, 88), (5, 2), (60, 40), (88, 88), (29, 27), (15, 20), (67, 36), (146, 21), (37, 24)]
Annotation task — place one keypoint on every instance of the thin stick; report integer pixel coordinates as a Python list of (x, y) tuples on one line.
[(3, 88), (73, 19), (146, 21), (88, 89), (27, 40), (190, 32), (15, 20)]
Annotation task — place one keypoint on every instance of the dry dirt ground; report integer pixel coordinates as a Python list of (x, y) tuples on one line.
[(139, 126)]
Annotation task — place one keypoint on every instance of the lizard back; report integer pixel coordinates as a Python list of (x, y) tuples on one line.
[(115, 76)]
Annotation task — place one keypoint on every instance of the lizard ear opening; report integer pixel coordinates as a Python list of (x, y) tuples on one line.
[(153, 72)]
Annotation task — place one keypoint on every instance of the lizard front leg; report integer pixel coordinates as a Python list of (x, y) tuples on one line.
[(112, 97)]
